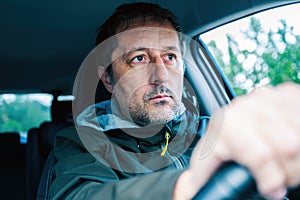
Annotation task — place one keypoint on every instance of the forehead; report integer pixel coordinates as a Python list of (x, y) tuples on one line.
[(147, 37)]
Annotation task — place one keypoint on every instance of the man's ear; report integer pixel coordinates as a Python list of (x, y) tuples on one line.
[(105, 78)]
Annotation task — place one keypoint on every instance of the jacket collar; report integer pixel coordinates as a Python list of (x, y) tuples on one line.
[(124, 133)]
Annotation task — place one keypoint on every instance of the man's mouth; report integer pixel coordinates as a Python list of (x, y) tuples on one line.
[(160, 97)]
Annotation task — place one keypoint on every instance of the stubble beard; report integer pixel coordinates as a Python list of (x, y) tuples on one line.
[(153, 114)]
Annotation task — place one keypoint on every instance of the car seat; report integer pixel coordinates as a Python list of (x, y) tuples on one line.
[(47, 175), (12, 166), (40, 141)]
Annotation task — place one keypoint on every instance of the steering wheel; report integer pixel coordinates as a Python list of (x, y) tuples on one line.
[(231, 181)]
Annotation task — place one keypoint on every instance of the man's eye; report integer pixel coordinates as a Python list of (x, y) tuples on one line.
[(138, 59), (170, 57)]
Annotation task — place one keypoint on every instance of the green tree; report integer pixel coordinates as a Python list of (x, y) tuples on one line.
[(275, 59), (21, 113)]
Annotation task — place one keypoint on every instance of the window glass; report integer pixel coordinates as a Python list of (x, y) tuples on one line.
[(262, 49), (21, 112)]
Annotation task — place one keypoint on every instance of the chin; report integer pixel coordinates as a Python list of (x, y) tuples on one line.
[(162, 116)]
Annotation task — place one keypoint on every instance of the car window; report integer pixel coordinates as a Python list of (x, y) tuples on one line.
[(262, 49), (21, 112)]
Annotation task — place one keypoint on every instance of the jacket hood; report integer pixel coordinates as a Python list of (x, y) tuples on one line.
[(182, 129), (108, 136), (100, 117)]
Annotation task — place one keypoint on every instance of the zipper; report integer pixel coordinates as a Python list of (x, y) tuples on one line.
[(167, 137)]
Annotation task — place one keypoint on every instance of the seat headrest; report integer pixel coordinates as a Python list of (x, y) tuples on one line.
[(9, 147), (61, 111)]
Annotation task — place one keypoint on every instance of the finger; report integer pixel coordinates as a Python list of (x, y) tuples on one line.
[(250, 147), (288, 137), (289, 102), (292, 168), (260, 158)]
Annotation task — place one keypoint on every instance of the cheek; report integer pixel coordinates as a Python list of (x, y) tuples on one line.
[(129, 93), (129, 83), (138, 94), (176, 86), (122, 92)]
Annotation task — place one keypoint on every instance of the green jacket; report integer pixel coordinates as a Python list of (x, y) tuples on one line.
[(109, 162)]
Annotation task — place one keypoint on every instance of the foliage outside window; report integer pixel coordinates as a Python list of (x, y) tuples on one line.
[(21, 112), (258, 55)]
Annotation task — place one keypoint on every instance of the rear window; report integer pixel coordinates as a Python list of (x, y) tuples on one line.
[(21, 112)]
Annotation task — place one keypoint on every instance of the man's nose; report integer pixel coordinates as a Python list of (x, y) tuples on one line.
[(159, 72)]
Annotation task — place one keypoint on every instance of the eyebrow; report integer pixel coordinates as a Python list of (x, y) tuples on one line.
[(137, 49), (133, 50), (171, 48)]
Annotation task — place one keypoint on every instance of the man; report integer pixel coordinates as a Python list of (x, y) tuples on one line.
[(136, 145)]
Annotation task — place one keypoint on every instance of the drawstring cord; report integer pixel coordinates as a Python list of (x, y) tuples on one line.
[(167, 136)]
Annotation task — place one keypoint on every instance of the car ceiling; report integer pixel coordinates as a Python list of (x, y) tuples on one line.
[(43, 43)]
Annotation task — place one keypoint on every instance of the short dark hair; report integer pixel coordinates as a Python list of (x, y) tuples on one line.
[(125, 15)]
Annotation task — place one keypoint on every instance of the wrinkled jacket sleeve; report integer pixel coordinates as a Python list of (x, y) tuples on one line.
[(80, 176)]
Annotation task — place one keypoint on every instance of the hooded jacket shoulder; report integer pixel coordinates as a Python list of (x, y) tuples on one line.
[(79, 175), (93, 162)]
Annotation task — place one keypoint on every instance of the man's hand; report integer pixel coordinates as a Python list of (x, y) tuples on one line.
[(260, 131)]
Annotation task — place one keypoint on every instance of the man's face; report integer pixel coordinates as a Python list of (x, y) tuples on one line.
[(148, 74)]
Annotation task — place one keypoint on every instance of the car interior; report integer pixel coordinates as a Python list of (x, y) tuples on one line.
[(43, 46)]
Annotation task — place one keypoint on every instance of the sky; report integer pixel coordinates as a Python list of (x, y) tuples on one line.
[(270, 19)]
